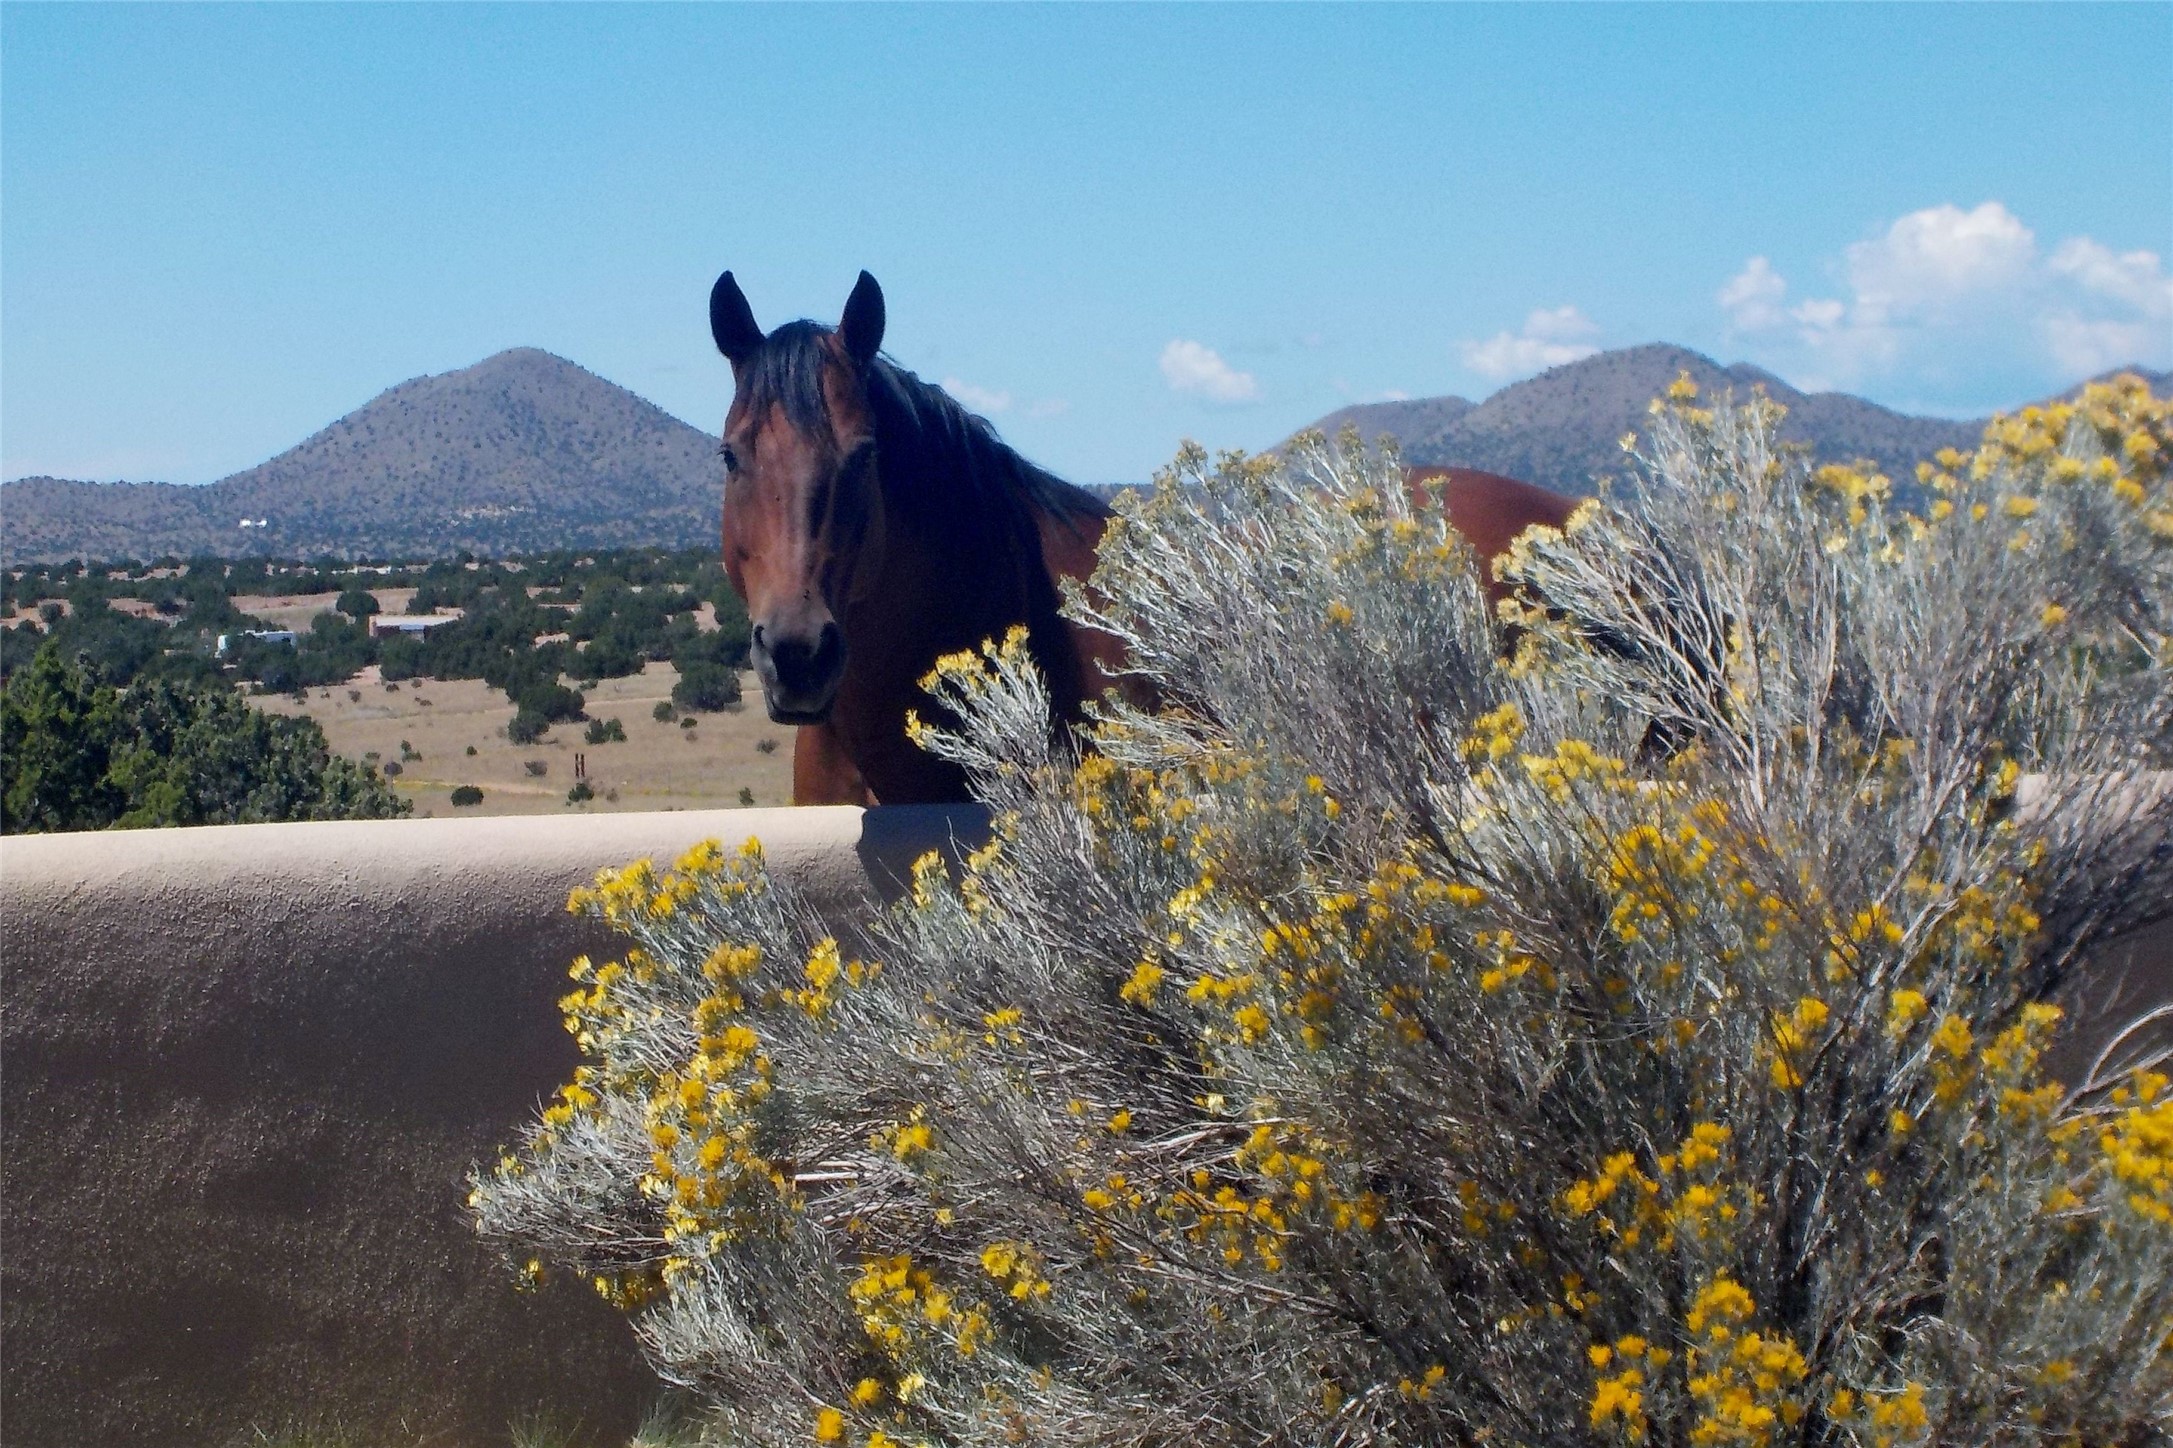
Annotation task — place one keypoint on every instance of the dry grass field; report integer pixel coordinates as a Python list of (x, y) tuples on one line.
[(297, 610), (660, 766)]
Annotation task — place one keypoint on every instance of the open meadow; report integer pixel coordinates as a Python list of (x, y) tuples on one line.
[(664, 764)]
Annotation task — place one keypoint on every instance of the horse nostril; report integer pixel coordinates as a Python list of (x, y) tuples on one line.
[(761, 637), (808, 667)]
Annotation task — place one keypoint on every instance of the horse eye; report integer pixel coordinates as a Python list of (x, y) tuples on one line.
[(731, 458)]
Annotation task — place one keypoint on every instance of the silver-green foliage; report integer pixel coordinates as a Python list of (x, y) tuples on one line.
[(1379, 1041)]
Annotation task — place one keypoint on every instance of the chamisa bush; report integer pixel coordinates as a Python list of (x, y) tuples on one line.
[(1641, 1040)]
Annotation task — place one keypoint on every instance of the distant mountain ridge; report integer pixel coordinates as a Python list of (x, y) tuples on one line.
[(1563, 428), (524, 451)]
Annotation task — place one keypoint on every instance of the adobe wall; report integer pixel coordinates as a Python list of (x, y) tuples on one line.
[(244, 1072)]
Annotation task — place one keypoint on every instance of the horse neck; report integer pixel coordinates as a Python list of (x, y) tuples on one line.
[(935, 591)]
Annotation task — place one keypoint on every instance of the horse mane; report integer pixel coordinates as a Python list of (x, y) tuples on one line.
[(938, 462)]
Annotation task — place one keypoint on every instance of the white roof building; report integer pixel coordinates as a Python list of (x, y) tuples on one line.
[(383, 625)]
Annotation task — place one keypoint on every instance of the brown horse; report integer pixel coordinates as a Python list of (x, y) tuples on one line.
[(871, 525), (1490, 511)]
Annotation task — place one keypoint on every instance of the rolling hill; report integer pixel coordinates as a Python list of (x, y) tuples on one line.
[(524, 451)]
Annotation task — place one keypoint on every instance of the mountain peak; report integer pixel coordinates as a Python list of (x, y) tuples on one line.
[(522, 451), (1563, 428)]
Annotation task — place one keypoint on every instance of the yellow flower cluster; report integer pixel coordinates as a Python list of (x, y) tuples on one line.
[(899, 1303), (1572, 762), (907, 1141), (2130, 432), (1494, 735), (1858, 490), (1952, 1064), (1619, 1397), (704, 1168), (1742, 1382), (965, 667), (1648, 863), (637, 895), (1017, 1268), (1890, 1418), (1794, 1037), (1986, 924), (1292, 1190), (2010, 1063), (2138, 1146), (1141, 986)]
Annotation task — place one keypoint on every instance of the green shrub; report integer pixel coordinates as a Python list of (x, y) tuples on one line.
[(663, 713), (605, 731), (357, 603), (1635, 1042), (706, 686), (76, 754), (549, 700), (526, 727), (580, 793), (466, 794)]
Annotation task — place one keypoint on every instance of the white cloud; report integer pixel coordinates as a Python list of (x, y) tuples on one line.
[(1048, 407), (980, 399), (1551, 337), (2084, 348), (1753, 296), (2136, 278), (1198, 371), (1819, 314), (1395, 394), (1960, 294), (1938, 256)]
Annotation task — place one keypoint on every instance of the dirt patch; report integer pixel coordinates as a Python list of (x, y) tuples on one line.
[(660, 766)]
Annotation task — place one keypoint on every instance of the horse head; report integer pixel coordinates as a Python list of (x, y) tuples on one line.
[(803, 508)]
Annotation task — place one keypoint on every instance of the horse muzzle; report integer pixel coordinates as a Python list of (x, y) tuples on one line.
[(800, 672)]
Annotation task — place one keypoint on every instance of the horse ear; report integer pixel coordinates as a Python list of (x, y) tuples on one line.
[(862, 329), (732, 321)]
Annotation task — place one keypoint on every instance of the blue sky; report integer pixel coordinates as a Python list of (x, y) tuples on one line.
[(1109, 228)]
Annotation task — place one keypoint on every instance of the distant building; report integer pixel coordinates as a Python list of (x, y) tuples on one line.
[(261, 635), (385, 625)]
